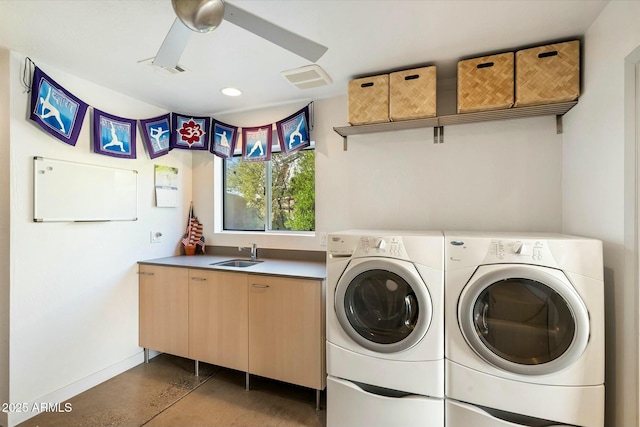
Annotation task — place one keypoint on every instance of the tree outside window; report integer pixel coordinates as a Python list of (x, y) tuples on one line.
[(278, 195)]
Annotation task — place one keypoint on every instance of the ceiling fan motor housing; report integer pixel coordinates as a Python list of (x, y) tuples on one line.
[(201, 16)]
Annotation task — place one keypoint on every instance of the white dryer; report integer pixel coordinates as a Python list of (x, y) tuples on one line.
[(524, 336), (385, 330)]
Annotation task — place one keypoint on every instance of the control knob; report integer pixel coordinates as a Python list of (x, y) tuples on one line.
[(522, 249)]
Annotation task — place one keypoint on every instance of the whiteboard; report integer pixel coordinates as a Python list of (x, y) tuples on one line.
[(70, 191)]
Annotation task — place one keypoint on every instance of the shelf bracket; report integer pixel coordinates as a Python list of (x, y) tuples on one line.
[(559, 124), (438, 134), (344, 143)]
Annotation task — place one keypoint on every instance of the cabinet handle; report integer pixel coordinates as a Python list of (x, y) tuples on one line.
[(260, 286), (145, 273), (199, 279)]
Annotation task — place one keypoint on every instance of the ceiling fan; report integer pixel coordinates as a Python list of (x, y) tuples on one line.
[(203, 16)]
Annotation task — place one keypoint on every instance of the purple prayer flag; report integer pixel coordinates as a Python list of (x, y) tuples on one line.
[(223, 139), (257, 143), (156, 134), (293, 132), (114, 136), (57, 111), (190, 132)]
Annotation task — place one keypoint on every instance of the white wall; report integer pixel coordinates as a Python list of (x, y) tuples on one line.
[(503, 175), (4, 231), (489, 176), (74, 287), (593, 191)]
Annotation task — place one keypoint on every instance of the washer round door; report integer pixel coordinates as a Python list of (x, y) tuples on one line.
[(523, 319), (383, 304)]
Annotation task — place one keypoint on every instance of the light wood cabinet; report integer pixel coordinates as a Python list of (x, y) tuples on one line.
[(163, 309), (271, 326), (287, 330), (218, 318)]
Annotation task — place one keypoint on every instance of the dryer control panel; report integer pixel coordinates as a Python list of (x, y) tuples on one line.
[(516, 250), (550, 250)]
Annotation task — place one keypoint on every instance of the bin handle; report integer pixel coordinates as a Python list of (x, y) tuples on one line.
[(548, 54)]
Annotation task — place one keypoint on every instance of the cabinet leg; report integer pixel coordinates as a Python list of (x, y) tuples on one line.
[(246, 381), (318, 395), (146, 355), (197, 368)]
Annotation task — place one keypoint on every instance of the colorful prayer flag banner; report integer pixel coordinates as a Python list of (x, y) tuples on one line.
[(61, 114), (223, 139), (189, 132), (114, 136), (256, 143), (293, 132), (156, 134), (57, 111)]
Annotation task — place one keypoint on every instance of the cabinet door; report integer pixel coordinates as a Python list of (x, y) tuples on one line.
[(218, 324), (286, 330), (163, 310)]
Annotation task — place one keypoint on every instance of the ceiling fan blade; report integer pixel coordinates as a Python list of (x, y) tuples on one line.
[(173, 45), (284, 38)]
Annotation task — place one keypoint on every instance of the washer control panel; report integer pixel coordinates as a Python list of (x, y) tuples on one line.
[(359, 246), (515, 250), (382, 246)]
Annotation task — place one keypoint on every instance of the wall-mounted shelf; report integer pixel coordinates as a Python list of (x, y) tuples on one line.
[(437, 123)]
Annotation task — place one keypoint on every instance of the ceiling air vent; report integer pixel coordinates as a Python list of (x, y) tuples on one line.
[(307, 77)]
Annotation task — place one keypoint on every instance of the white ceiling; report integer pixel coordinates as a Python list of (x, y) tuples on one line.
[(103, 41)]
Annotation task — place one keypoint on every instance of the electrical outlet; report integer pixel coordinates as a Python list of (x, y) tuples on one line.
[(323, 239), (156, 236)]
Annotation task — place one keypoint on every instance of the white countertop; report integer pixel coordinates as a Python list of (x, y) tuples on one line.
[(270, 266)]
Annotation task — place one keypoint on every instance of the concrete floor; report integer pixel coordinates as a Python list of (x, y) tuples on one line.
[(166, 393)]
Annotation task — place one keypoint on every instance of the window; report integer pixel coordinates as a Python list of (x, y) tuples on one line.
[(278, 195)]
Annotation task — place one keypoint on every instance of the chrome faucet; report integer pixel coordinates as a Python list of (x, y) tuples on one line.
[(253, 249)]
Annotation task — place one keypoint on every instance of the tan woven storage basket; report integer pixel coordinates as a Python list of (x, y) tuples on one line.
[(485, 83), (412, 94), (369, 100), (548, 74)]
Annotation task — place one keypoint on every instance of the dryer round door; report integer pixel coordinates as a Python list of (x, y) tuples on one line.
[(383, 304), (523, 319)]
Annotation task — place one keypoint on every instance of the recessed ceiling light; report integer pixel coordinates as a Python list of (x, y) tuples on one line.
[(231, 91)]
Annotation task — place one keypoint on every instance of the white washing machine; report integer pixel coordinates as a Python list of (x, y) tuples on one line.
[(524, 338), (385, 330)]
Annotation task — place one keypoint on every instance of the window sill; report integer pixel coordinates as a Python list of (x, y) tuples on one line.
[(290, 240)]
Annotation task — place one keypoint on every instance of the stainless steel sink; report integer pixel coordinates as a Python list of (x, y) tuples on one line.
[(240, 263)]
